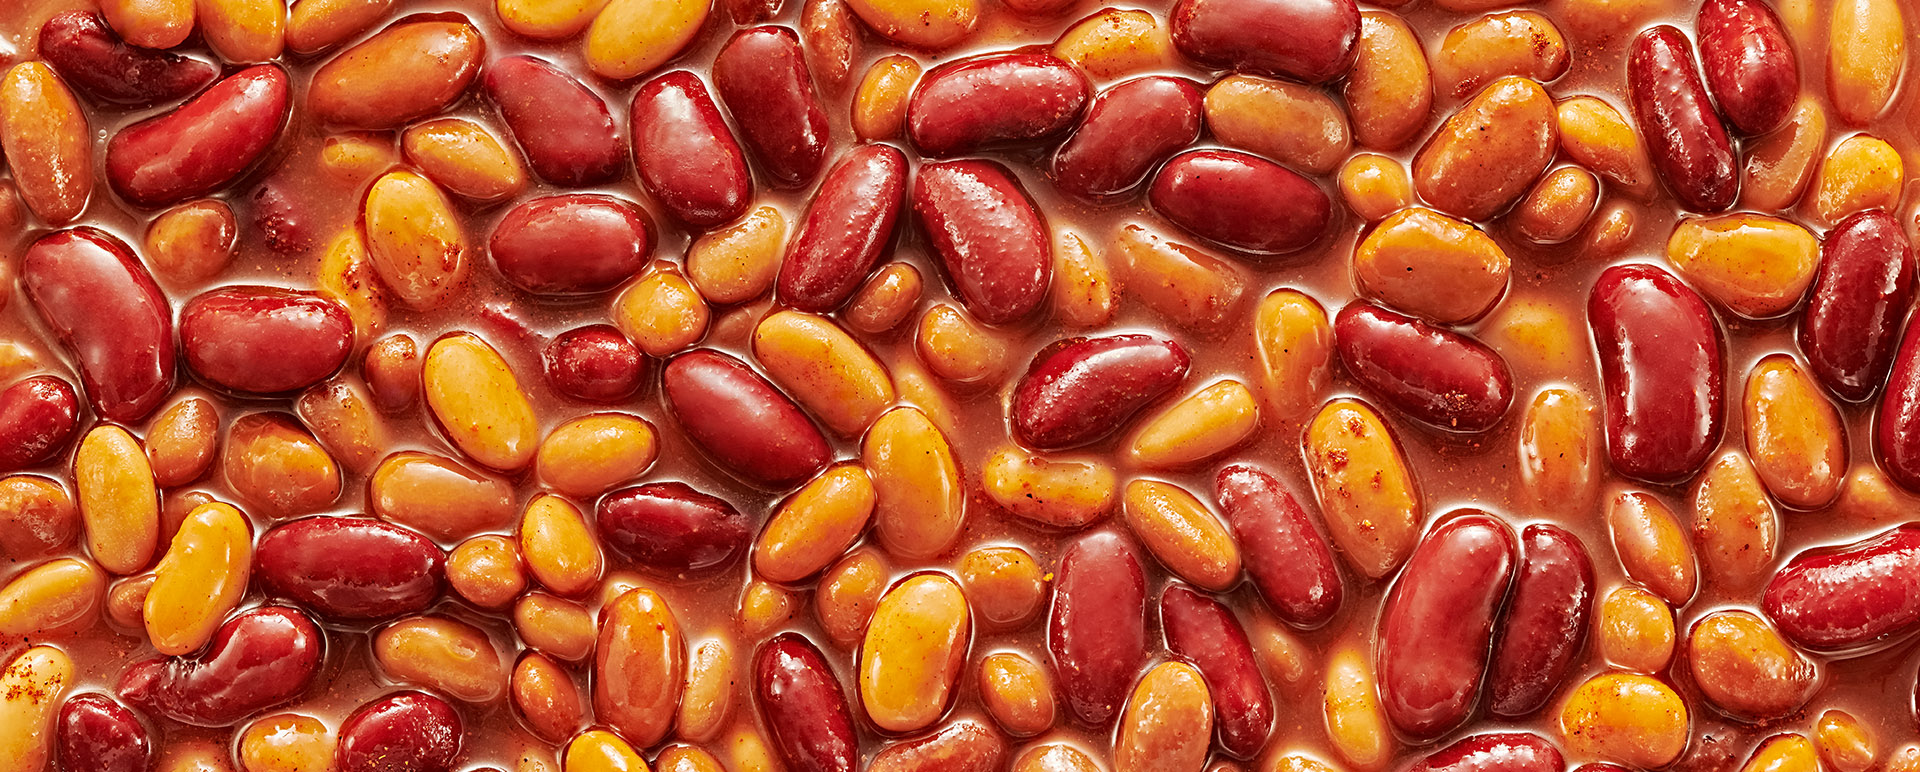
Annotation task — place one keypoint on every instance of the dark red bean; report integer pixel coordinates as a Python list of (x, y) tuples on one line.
[(1749, 64), (564, 128), (1896, 431), (264, 340), (97, 63), (404, 732), (1081, 390), (673, 529), (1289, 560), (1129, 129), (1495, 752), (761, 75), (803, 705), (260, 658), (1849, 598), (847, 226), (687, 157), (281, 216), (991, 239), (1096, 632), (571, 244), (965, 745), (595, 363), (1860, 297), (994, 100), (105, 309), (38, 417), (742, 422), (1202, 631), (203, 145), (1433, 374), (1545, 622), (745, 12), (1437, 623), (1240, 201), (350, 568), (98, 734), (1309, 40), (1684, 136), (1661, 365)]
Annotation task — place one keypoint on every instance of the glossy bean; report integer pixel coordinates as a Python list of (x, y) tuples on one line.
[(1367, 492), (994, 100), (1202, 631), (1684, 136), (726, 408), (1749, 64), (571, 244), (762, 77), (847, 226), (687, 158), (560, 123), (1544, 625), (1240, 35), (1096, 632), (1437, 623), (989, 235), (98, 63), (260, 658), (1129, 128), (391, 572), (103, 307), (1240, 201), (1661, 358)]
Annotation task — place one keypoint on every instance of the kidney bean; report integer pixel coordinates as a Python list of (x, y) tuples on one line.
[(848, 224), (1297, 125), (1202, 631), (1486, 156), (1367, 491), (402, 732), (1240, 201), (264, 340), (571, 244), (991, 238), (806, 712), (98, 734), (1096, 631), (1897, 426), (47, 143), (741, 420), (1866, 57), (1081, 390), (1755, 265), (1309, 40), (59, 596), (594, 363), (439, 496), (410, 70), (1683, 134), (687, 157), (1287, 557), (1168, 722), (31, 685), (761, 75), (994, 100), (1433, 374), (1850, 598), (1742, 666), (38, 417), (80, 46), (350, 568), (1544, 625), (560, 123), (1428, 264), (1128, 129), (105, 309), (910, 658), (203, 145), (1662, 363), (963, 745), (1495, 752), (259, 658), (1852, 320), (1437, 623), (1749, 63)]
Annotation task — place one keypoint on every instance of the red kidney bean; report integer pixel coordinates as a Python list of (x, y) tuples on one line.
[(1129, 129), (1849, 598), (1096, 632), (564, 128), (804, 707), (105, 309), (203, 145), (405, 732), (1545, 623), (761, 75), (965, 745), (687, 157), (279, 216), (1684, 136), (38, 417), (741, 421), (98, 734), (673, 529), (1240, 201), (264, 340), (1080, 390), (1860, 296), (994, 100), (595, 363), (83, 49), (1202, 631), (1289, 559), (1896, 430), (1433, 374), (1495, 752), (1749, 64), (1661, 362), (571, 244), (1309, 40), (847, 226), (262, 657), (991, 239), (350, 568), (1437, 624)]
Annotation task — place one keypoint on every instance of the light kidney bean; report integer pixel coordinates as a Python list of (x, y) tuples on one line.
[(1296, 125), (1202, 631), (559, 547), (1652, 546), (1661, 360), (1319, 36), (1367, 491), (31, 688), (1866, 55), (37, 517), (1017, 693), (830, 36), (591, 454), (1086, 292), (200, 580), (962, 745), (1736, 531), (547, 19), (1432, 265), (1293, 344), (1437, 623), (1128, 129), (1779, 165), (126, 602), (765, 607), (880, 103), (1544, 625), (888, 297), (277, 467), (923, 24), (1749, 63), (762, 77), (1055, 492), (408, 730), (243, 30), (193, 242), (1503, 751), (844, 598), (560, 123), (994, 100), (914, 648), (554, 626), (1558, 207), (957, 348), (1849, 598), (350, 568), (1389, 91), (1597, 136), (1684, 136), (1634, 630), (416, 243), (1096, 631), (264, 340), (1755, 265), (1435, 375), (410, 70), (1844, 742), (1005, 586), (1081, 390), (599, 749), (345, 275), (96, 732), (1167, 723), (630, 38), (58, 596), (38, 418), (662, 313), (1559, 449), (837, 378), (815, 525), (920, 501), (1627, 717), (707, 702), (1116, 42), (1486, 156), (463, 157), (101, 65), (1744, 667), (1182, 534), (438, 495), (1794, 434), (990, 237), (1203, 425), (1240, 201), (672, 528), (203, 145), (804, 708), (571, 244), (1479, 51), (639, 666), (1356, 727), (180, 442), (741, 261), (45, 136), (543, 692), (155, 24), (686, 156), (741, 420), (442, 653), (118, 500), (104, 308), (1287, 557), (259, 658), (392, 370), (341, 417), (487, 571), (847, 226), (1185, 284), (1852, 319), (1862, 172), (479, 403)]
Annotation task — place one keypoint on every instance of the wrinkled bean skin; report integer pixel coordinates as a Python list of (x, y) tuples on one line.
[(105, 309), (1288, 558), (260, 658), (992, 240), (203, 145), (1202, 631), (803, 705), (1096, 631), (1661, 362), (847, 227), (98, 734), (402, 732), (761, 75), (687, 157), (264, 340), (1128, 129), (565, 128), (1433, 374), (1683, 134), (961, 746), (1437, 622), (350, 568), (1544, 625), (742, 421), (1749, 63), (1495, 752), (97, 63), (1308, 40), (571, 244), (38, 418), (1852, 598), (1861, 291), (671, 528), (1081, 390), (1241, 201), (994, 100)]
